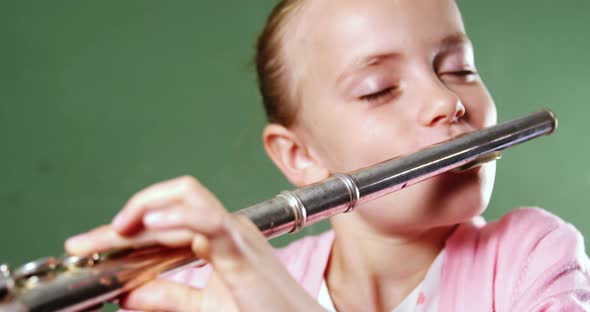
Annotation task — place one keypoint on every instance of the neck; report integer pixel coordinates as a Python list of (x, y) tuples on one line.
[(375, 269)]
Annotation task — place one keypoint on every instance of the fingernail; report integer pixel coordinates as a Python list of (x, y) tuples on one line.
[(153, 219)]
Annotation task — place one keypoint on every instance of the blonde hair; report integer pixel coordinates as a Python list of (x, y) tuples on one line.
[(273, 79)]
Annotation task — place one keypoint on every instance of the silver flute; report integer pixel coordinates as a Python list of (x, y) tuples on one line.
[(74, 283)]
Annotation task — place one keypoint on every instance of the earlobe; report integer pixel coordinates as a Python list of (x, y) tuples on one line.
[(291, 156)]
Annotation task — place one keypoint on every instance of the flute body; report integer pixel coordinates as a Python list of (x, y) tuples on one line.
[(84, 283)]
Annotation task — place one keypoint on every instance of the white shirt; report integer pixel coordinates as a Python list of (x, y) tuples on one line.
[(424, 298)]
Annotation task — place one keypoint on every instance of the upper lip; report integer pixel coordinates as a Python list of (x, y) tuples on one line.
[(451, 132)]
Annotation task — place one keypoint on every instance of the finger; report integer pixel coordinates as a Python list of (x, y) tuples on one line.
[(106, 238), (162, 295), (205, 220), (216, 296), (183, 189), (157, 195), (231, 250), (220, 233)]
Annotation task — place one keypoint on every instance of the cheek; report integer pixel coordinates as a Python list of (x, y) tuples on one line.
[(357, 138), (349, 136)]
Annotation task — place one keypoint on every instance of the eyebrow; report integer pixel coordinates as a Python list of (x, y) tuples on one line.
[(374, 59), (366, 61), (453, 40), (448, 42)]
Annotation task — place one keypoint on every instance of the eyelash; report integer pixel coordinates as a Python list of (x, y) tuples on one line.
[(373, 97), (379, 95), (462, 74), (465, 72)]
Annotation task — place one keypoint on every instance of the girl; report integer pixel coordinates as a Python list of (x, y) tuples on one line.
[(346, 84)]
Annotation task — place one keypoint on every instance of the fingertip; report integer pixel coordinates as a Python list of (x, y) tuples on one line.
[(119, 222), (96, 240), (131, 303), (201, 246), (162, 295), (77, 245)]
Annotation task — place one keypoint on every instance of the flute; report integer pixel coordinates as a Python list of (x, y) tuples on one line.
[(75, 283)]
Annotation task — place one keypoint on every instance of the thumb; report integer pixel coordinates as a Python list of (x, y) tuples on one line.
[(162, 295)]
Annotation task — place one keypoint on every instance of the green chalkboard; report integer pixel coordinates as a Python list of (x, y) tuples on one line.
[(99, 99)]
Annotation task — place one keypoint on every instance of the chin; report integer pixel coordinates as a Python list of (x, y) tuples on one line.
[(447, 199), (460, 196)]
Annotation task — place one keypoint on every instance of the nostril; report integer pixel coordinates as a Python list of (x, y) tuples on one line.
[(437, 120)]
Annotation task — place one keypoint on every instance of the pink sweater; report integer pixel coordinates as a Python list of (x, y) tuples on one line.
[(529, 260)]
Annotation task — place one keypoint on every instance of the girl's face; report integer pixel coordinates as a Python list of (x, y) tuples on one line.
[(382, 78)]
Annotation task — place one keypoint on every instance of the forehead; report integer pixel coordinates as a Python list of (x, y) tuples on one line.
[(337, 31)]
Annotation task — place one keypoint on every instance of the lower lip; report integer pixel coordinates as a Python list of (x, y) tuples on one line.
[(472, 170)]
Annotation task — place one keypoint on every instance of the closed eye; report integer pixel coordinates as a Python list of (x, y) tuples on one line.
[(461, 76), (379, 96), (465, 72)]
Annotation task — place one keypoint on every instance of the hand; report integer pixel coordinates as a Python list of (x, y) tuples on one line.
[(181, 212)]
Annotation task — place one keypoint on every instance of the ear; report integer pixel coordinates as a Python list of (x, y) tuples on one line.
[(292, 156)]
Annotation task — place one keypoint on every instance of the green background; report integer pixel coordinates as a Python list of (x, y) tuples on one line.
[(100, 99)]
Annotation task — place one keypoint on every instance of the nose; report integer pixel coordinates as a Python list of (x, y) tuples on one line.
[(441, 106)]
